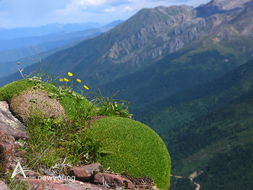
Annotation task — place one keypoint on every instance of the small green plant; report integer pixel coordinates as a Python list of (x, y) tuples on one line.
[(108, 106)]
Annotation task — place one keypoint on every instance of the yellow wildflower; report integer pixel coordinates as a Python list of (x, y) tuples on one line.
[(70, 74), (61, 80), (86, 87), (66, 80), (78, 80)]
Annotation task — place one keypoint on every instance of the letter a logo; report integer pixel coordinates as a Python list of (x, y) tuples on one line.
[(18, 170)]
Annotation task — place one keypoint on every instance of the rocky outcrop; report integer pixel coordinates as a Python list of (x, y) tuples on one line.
[(11, 129), (161, 34), (84, 177), (95, 174), (9, 124)]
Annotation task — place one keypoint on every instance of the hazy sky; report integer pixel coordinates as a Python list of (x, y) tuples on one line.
[(14, 13)]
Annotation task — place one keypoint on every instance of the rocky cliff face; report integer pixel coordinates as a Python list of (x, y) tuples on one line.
[(152, 39), (167, 29)]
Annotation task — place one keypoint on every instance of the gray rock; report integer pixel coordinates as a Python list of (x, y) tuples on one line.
[(9, 124)]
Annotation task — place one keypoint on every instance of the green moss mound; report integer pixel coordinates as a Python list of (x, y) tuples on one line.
[(14, 88), (73, 107), (133, 148)]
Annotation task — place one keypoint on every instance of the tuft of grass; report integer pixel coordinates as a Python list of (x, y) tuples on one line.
[(54, 140), (108, 106), (133, 148)]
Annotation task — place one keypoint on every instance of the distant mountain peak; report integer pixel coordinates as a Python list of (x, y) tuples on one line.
[(171, 10), (229, 4), (221, 6)]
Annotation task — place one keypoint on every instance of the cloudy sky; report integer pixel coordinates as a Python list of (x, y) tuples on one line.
[(16, 13)]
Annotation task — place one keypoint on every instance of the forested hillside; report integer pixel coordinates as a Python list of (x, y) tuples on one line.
[(209, 128)]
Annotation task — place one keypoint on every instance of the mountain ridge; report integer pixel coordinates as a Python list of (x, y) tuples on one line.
[(144, 39)]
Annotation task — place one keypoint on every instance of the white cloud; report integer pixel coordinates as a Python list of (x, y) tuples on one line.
[(88, 2), (109, 10), (79, 5), (128, 9)]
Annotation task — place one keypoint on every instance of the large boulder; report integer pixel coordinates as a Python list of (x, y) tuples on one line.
[(35, 102)]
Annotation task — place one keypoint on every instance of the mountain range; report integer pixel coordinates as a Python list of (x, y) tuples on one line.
[(153, 34), (24, 32), (188, 74), (32, 49)]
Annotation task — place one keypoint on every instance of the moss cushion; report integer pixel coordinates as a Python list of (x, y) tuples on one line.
[(133, 148)]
